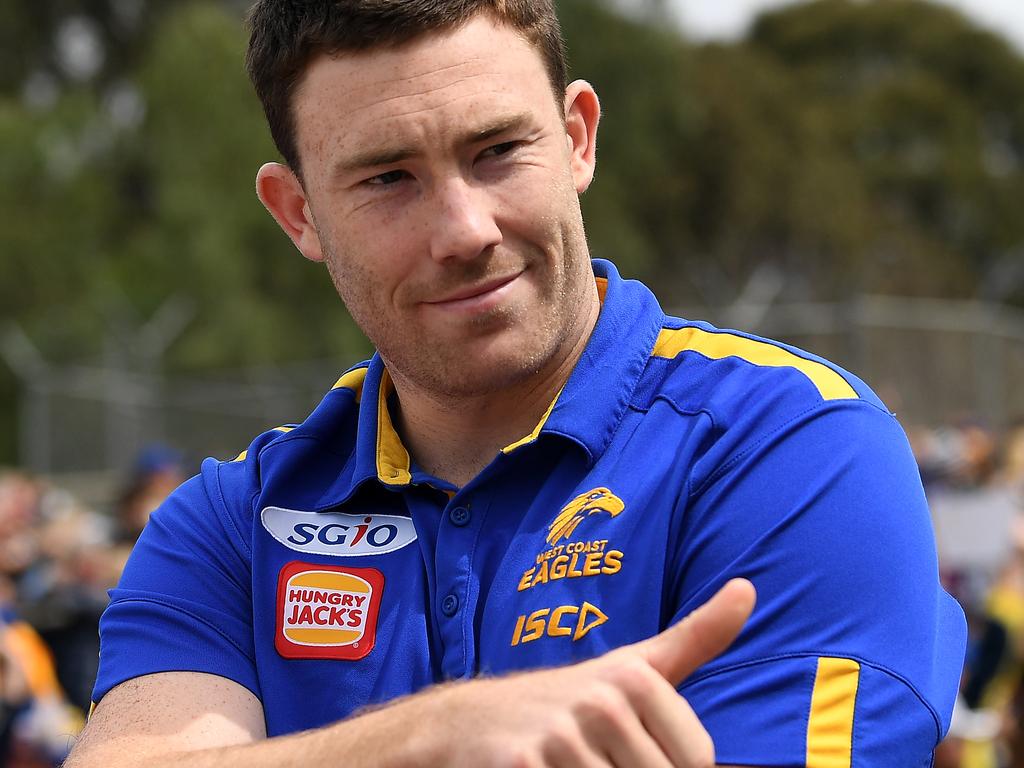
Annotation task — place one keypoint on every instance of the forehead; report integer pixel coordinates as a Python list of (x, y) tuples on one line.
[(437, 80)]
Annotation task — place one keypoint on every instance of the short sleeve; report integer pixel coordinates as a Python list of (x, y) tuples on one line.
[(184, 601), (853, 655)]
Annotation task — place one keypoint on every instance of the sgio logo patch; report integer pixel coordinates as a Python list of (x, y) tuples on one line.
[(337, 533), (327, 612)]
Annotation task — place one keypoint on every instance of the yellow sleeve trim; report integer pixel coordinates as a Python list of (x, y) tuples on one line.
[(830, 725), (673, 342), (283, 430)]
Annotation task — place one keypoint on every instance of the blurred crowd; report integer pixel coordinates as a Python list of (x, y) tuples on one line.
[(58, 558), (974, 479)]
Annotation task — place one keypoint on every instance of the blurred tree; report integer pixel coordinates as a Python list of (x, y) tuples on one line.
[(776, 196), (114, 207), (202, 230), (931, 108), (121, 197), (843, 146), (633, 208)]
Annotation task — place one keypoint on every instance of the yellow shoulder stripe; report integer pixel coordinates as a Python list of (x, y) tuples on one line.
[(283, 430), (352, 380), (672, 342), (830, 724)]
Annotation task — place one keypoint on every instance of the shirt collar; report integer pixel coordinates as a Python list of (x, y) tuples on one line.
[(586, 411), (595, 397)]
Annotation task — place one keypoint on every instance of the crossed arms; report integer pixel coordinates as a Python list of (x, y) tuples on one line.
[(620, 709)]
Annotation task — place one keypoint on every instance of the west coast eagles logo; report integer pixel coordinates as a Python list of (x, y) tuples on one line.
[(588, 503)]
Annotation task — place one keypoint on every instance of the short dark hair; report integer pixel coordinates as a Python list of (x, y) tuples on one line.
[(285, 35)]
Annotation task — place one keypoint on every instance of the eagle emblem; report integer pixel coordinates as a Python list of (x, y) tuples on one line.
[(572, 514)]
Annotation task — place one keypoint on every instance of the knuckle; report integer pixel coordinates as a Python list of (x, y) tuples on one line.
[(516, 756), (633, 676), (638, 679), (563, 741), (604, 706)]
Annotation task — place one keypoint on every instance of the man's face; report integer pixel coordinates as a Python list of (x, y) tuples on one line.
[(442, 183)]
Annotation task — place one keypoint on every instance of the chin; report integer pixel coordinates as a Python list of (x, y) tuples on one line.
[(486, 374)]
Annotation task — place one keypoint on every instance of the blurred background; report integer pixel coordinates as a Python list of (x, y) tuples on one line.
[(844, 175)]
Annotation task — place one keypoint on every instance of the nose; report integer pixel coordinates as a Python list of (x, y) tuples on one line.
[(464, 225)]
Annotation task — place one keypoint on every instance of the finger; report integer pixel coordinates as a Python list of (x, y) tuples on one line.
[(564, 753), (702, 635), (637, 749), (674, 725), (615, 729)]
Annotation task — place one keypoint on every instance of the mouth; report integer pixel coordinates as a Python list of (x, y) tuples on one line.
[(476, 297)]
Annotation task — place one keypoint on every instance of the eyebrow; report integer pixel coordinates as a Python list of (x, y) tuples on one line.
[(378, 157)]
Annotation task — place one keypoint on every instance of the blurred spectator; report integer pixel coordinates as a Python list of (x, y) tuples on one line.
[(977, 498), (57, 562), (158, 471), (64, 592), (37, 720), (20, 498), (972, 507), (43, 724), (14, 691)]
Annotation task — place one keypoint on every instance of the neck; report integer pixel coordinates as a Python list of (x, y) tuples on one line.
[(455, 437)]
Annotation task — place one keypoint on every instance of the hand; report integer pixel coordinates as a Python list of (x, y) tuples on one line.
[(621, 709)]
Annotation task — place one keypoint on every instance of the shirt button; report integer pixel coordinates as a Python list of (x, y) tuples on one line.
[(450, 605), (459, 516)]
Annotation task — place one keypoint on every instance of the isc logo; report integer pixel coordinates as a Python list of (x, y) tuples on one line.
[(336, 533), (563, 621)]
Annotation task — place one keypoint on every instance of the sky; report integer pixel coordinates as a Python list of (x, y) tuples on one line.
[(717, 19)]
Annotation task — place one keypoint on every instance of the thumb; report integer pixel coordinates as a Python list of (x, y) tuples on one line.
[(702, 635)]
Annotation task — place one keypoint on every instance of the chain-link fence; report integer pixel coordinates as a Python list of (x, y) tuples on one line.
[(932, 361)]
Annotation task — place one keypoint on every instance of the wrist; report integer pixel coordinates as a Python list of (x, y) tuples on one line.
[(413, 732)]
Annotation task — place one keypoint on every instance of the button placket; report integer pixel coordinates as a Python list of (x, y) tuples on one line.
[(455, 583)]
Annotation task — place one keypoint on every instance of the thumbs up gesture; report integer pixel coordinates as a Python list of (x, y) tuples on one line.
[(620, 709)]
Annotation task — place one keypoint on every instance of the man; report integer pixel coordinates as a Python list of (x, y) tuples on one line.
[(538, 470)]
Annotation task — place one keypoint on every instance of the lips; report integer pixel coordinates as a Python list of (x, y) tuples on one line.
[(469, 293)]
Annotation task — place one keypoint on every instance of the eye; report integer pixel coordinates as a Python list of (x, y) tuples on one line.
[(386, 179), (500, 149)]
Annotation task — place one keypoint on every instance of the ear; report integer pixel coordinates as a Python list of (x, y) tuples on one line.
[(282, 194), (582, 114)]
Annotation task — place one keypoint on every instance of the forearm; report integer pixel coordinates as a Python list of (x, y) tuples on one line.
[(406, 734)]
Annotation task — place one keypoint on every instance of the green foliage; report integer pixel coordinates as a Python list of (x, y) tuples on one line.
[(205, 233), (105, 224), (852, 146), (633, 208), (932, 111)]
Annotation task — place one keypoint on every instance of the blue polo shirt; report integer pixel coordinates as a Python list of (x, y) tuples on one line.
[(324, 571)]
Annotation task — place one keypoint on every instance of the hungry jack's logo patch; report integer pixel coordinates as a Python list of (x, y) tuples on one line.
[(327, 612), (588, 503)]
